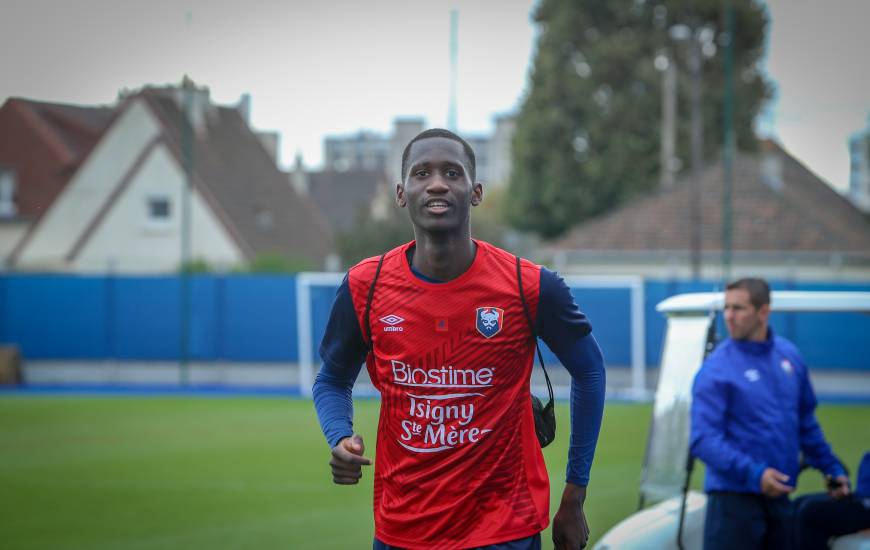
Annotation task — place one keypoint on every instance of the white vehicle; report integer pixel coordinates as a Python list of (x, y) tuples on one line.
[(691, 319)]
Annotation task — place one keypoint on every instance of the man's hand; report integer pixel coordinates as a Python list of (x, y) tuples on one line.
[(348, 460), (838, 487), (570, 530), (773, 483)]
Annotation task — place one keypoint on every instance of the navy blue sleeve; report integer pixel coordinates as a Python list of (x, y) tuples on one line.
[(342, 342), (862, 485), (559, 322), (343, 352), (566, 331)]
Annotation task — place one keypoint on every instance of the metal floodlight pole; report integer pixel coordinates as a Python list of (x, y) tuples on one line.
[(184, 301), (728, 144), (669, 121), (454, 54), (690, 35), (697, 148)]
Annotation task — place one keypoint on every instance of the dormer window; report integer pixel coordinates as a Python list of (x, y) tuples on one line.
[(265, 220)]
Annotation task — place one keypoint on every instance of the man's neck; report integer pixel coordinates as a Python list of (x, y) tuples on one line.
[(760, 334), (443, 259)]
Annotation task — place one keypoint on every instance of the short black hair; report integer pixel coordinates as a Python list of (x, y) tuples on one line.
[(442, 133), (758, 289)]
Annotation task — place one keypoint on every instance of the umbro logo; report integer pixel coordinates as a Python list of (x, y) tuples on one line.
[(392, 321)]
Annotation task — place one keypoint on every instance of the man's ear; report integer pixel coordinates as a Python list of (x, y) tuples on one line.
[(400, 195), (476, 194), (764, 312)]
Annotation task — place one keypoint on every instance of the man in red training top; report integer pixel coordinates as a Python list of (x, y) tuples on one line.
[(448, 345)]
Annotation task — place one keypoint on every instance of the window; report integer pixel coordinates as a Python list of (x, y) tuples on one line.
[(265, 220), (8, 209), (159, 211)]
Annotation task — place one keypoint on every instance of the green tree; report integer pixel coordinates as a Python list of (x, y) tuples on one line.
[(487, 220), (195, 266), (588, 132)]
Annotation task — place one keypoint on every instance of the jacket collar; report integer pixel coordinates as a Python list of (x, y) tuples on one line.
[(756, 348)]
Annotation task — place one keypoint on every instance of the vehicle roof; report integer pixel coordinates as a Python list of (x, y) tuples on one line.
[(781, 300)]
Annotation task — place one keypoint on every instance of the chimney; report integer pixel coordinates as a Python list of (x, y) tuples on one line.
[(771, 166), (244, 108), (298, 177), (201, 109), (859, 169)]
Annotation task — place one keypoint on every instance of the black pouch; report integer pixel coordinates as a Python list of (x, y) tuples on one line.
[(545, 421)]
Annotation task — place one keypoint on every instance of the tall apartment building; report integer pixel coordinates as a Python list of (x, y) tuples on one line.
[(370, 151), (364, 150), (859, 169)]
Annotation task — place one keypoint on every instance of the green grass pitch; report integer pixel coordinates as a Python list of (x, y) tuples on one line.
[(198, 472)]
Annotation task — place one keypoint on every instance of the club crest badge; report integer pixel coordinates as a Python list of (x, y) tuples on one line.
[(489, 321), (786, 366)]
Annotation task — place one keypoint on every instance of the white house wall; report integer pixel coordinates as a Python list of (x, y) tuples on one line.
[(127, 241), (66, 220), (10, 234)]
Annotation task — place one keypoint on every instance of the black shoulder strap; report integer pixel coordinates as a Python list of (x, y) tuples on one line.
[(369, 303), (532, 328)]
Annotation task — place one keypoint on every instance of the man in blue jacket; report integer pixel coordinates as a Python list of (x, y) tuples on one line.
[(820, 517), (752, 415)]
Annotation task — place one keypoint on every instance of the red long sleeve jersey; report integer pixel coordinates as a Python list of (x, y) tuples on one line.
[(458, 464)]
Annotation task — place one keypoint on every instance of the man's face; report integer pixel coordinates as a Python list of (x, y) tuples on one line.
[(437, 189), (745, 321)]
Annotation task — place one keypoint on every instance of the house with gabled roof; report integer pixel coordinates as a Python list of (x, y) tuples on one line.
[(786, 223), (126, 203), (41, 146)]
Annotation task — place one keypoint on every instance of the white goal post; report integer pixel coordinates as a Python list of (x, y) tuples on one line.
[(637, 323), (304, 328)]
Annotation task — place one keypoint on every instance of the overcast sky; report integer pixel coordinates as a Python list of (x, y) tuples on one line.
[(337, 66)]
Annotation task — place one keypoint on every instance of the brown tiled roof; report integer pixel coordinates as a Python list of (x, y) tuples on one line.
[(250, 195), (803, 214), (343, 196), (78, 127), (45, 143)]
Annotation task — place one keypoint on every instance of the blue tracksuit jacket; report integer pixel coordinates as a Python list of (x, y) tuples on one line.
[(753, 407), (862, 486)]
